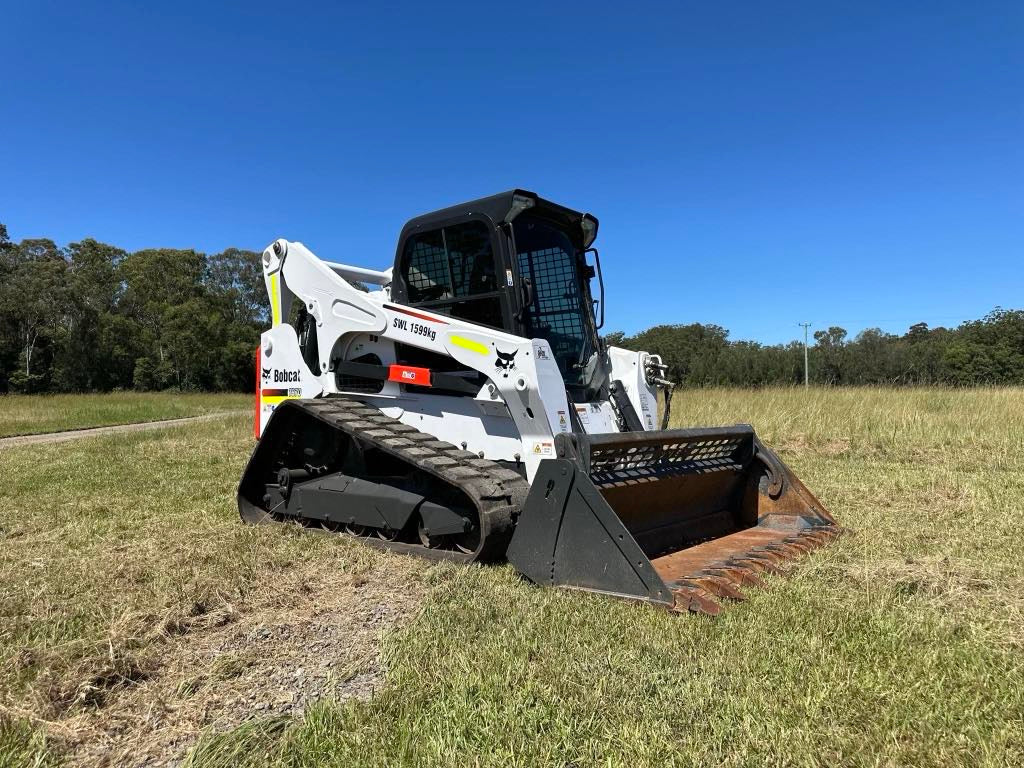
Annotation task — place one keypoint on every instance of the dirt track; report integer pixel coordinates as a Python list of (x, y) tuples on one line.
[(75, 434)]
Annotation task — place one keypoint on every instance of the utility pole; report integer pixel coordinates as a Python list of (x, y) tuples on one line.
[(806, 377)]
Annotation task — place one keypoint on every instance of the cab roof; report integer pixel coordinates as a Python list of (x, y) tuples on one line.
[(502, 207)]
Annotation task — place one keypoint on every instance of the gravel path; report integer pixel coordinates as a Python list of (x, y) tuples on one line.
[(75, 434)]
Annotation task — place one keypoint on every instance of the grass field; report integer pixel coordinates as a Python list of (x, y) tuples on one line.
[(134, 606), (35, 414)]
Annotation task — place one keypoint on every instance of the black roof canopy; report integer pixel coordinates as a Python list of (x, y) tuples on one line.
[(499, 208)]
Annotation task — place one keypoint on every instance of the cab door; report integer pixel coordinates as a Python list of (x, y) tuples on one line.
[(459, 269)]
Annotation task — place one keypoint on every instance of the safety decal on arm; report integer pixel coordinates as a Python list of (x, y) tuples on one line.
[(472, 346), (275, 300)]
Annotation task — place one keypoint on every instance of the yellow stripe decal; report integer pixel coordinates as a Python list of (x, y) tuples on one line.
[(275, 399), (472, 346), (275, 300)]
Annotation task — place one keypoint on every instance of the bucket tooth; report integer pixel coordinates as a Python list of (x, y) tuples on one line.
[(819, 537), (773, 561), (784, 549), (717, 586), (798, 545), (756, 567), (692, 600), (757, 563), (742, 575)]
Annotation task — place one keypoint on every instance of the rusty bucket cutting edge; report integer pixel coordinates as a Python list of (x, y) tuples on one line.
[(686, 518)]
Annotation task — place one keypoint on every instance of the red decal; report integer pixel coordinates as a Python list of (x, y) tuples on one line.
[(420, 315), (405, 374)]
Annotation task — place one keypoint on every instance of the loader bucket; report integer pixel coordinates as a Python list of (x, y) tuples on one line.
[(683, 518)]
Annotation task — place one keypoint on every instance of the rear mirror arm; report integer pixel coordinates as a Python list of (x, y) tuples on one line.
[(600, 282)]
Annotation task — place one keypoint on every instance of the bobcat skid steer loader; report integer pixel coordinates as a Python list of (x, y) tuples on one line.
[(467, 409)]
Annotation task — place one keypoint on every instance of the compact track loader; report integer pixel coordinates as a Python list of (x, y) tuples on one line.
[(468, 409)]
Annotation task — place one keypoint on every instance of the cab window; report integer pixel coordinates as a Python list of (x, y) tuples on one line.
[(452, 271)]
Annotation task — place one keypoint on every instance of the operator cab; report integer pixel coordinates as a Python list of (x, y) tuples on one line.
[(515, 262)]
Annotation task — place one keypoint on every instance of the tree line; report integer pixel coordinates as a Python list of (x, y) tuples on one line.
[(94, 317), (989, 351)]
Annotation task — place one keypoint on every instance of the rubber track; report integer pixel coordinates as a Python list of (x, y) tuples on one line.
[(497, 492)]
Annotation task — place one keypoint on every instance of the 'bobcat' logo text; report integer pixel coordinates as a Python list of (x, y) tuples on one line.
[(280, 377)]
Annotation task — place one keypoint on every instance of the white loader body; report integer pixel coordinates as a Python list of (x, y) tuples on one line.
[(514, 416)]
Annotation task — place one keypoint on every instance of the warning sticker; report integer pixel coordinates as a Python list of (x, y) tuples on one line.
[(563, 423), (646, 408), (508, 277), (543, 448), (583, 413)]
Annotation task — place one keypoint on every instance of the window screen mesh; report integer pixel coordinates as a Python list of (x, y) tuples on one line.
[(454, 262), (472, 263), (452, 271), (427, 268), (555, 312)]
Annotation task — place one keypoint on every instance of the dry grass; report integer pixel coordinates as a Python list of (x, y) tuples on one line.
[(313, 634), (903, 644), (36, 414), (129, 585)]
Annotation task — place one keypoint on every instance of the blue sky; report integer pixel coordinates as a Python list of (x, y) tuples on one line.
[(752, 164)]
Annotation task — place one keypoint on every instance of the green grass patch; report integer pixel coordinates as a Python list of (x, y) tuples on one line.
[(37, 414), (23, 745)]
